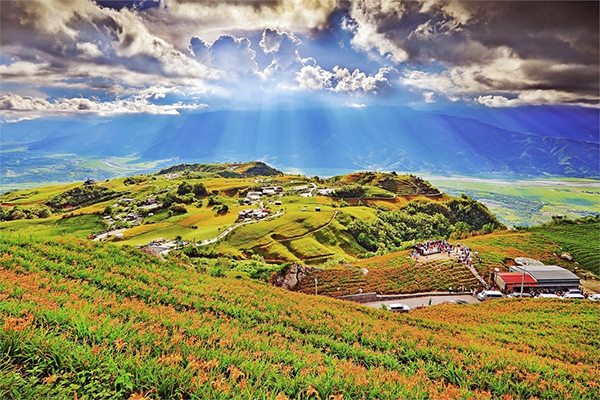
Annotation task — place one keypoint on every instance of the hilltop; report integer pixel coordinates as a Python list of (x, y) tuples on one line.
[(396, 272), (237, 170), (93, 320), (294, 218), (405, 185)]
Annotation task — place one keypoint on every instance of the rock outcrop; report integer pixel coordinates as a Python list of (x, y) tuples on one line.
[(293, 275), (566, 256)]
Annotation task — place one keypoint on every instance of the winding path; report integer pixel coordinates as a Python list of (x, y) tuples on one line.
[(231, 228)]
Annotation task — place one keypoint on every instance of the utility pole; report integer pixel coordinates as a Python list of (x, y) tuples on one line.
[(523, 280)]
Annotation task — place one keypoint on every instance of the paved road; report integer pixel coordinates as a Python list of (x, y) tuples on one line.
[(417, 301)]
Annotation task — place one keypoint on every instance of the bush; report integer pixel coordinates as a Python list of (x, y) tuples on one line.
[(349, 191), (178, 208)]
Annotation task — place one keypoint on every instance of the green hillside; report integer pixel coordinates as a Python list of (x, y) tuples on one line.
[(88, 320), (239, 170), (194, 203)]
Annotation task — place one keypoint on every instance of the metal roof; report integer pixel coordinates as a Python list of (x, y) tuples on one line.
[(548, 273)]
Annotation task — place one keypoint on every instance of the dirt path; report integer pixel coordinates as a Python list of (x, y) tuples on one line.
[(231, 228)]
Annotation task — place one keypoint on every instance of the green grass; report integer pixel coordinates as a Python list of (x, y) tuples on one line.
[(78, 226), (582, 241), (373, 191)]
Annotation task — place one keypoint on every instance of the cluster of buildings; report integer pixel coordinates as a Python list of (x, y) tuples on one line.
[(257, 213), (265, 191), (536, 277)]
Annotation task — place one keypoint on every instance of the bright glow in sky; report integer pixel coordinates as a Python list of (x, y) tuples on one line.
[(80, 57)]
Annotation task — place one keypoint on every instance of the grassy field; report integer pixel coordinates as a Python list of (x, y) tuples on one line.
[(527, 202), (86, 320), (78, 226)]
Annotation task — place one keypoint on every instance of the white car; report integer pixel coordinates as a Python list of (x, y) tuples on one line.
[(489, 294), (518, 294), (397, 307), (594, 297), (573, 296), (548, 296)]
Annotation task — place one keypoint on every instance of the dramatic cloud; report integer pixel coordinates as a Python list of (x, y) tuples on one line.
[(35, 106), (284, 47), (342, 81), (487, 45), (496, 53), (227, 53)]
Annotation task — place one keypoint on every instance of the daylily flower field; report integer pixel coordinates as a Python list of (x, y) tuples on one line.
[(87, 320)]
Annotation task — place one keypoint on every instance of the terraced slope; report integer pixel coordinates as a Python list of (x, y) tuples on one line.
[(390, 274), (81, 319)]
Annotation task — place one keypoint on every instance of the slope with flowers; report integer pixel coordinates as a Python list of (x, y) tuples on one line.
[(82, 319)]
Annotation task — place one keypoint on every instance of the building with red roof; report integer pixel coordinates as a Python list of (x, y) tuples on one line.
[(510, 281)]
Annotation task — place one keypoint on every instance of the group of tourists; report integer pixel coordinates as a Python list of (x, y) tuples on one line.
[(432, 247)]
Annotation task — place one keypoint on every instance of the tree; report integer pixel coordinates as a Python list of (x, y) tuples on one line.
[(178, 208), (199, 190), (184, 188)]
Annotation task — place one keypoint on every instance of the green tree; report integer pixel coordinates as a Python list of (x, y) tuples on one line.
[(199, 190), (184, 188)]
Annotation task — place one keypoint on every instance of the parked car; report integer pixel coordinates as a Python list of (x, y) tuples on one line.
[(489, 294), (397, 307), (594, 297), (548, 296), (573, 296), (518, 294)]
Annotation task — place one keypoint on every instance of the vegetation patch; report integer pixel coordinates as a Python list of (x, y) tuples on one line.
[(81, 196)]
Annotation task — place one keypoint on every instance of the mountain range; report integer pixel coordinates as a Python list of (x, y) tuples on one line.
[(532, 141)]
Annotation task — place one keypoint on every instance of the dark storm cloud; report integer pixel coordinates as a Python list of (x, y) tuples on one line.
[(498, 45), (76, 38)]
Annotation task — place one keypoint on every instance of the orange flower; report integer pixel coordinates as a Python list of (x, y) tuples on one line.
[(138, 396), (235, 373), (281, 396), (49, 379), (119, 344), (220, 385), (309, 391), (336, 397)]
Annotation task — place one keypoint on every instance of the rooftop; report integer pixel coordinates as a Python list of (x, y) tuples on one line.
[(548, 272)]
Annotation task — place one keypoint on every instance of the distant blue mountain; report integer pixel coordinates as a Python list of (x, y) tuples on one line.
[(529, 141)]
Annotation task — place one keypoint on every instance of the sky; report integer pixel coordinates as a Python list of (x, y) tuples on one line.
[(105, 58)]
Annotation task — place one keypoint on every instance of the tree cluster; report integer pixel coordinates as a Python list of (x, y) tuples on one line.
[(423, 220), (22, 212)]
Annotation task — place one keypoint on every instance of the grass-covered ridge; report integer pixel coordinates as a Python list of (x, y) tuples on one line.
[(405, 185), (108, 322), (230, 170)]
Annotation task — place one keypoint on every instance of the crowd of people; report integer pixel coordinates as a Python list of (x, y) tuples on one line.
[(433, 247), (462, 252)]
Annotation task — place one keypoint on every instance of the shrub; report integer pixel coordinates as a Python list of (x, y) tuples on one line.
[(178, 208)]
